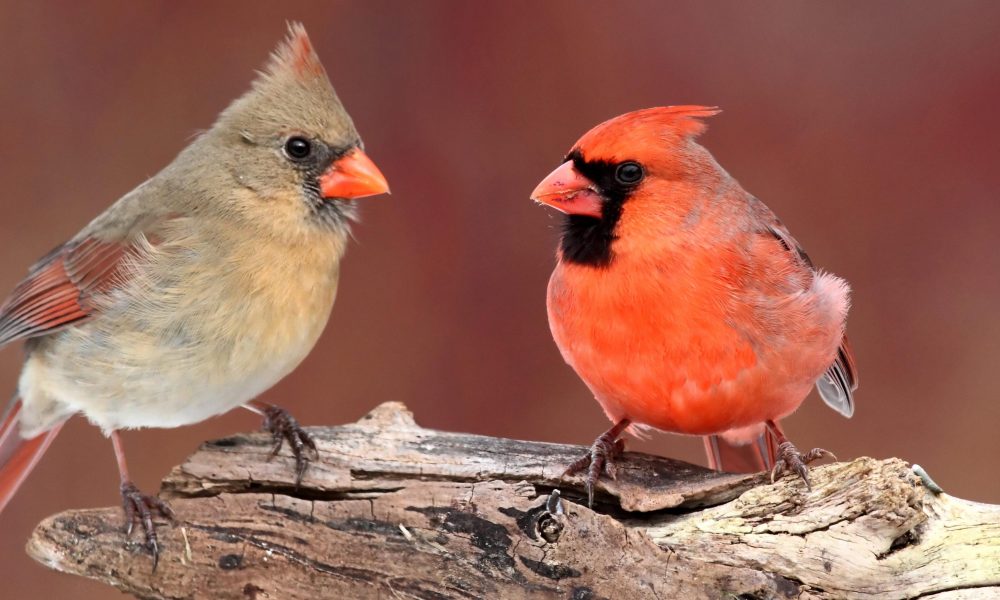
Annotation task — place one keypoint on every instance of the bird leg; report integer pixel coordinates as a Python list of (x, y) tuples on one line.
[(285, 428), (790, 459), (601, 458), (138, 505)]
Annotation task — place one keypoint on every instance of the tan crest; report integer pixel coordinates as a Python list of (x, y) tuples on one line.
[(296, 56)]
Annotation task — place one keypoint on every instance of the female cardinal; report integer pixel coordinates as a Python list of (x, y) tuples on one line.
[(199, 289), (682, 301)]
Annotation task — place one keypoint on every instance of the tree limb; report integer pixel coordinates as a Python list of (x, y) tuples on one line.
[(392, 510)]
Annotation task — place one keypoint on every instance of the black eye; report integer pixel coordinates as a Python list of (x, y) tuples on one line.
[(628, 173), (298, 148)]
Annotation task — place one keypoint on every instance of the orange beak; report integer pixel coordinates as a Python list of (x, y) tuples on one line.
[(353, 175), (566, 190)]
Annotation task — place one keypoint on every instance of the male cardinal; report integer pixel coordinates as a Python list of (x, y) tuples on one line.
[(199, 289), (683, 302)]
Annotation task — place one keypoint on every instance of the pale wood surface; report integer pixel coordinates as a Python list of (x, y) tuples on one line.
[(392, 510)]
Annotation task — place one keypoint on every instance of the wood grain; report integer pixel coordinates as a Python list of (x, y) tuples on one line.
[(392, 510)]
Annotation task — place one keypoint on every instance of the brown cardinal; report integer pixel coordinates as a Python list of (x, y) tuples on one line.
[(683, 302), (199, 289)]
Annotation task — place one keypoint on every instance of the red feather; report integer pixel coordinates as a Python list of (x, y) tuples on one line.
[(59, 289), (19, 456), (727, 457), (296, 56)]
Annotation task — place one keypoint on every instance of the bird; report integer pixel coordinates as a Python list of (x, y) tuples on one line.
[(199, 289), (682, 301)]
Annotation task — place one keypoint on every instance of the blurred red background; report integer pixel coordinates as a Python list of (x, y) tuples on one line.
[(872, 129)]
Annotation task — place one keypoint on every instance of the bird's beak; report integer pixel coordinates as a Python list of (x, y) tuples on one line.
[(353, 175), (566, 190)]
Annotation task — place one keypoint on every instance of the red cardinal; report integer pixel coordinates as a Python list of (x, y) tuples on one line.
[(199, 289), (683, 302)]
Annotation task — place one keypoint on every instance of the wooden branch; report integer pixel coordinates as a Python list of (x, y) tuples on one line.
[(392, 510)]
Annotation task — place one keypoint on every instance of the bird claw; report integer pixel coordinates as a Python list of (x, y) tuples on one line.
[(285, 428), (790, 459), (600, 460), (139, 506)]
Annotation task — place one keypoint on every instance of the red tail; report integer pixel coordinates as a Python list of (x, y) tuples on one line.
[(19, 456), (748, 458)]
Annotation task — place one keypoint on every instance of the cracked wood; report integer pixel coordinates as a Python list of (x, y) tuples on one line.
[(392, 510)]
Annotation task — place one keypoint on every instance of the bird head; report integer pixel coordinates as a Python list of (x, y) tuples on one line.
[(291, 144), (629, 168)]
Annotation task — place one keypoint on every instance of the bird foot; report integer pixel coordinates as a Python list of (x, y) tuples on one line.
[(139, 506), (789, 459), (284, 428), (599, 461)]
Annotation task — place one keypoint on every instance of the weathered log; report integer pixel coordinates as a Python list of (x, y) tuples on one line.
[(392, 510)]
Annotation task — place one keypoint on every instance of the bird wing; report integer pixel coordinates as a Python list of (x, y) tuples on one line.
[(837, 385), (60, 288)]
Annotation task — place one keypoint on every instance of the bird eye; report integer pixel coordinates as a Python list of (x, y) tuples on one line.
[(298, 148), (628, 173)]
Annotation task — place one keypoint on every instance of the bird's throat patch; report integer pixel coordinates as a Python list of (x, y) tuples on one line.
[(589, 240)]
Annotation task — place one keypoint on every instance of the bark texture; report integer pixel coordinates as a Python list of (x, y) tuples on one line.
[(392, 510)]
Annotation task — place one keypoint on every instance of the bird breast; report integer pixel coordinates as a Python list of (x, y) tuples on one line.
[(683, 348), (201, 325)]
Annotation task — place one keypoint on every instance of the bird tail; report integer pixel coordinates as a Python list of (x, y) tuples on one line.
[(725, 456), (19, 456)]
